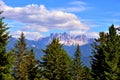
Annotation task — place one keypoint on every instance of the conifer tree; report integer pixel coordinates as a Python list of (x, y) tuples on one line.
[(98, 58), (25, 67), (20, 68), (33, 68), (112, 58), (77, 65), (118, 65), (56, 62), (86, 73), (106, 56), (5, 61)]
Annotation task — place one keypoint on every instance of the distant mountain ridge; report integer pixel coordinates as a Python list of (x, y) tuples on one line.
[(67, 39), (69, 44)]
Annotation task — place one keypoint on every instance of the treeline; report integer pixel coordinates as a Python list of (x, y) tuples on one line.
[(20, 63)]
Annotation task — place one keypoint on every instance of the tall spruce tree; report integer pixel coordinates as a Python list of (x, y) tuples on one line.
[(5, 61), (56, 62), (106, 56), (98, 58), (118, 65), (112, 58), (20, 68), (25, 67), (86, 73), (77, 65), (33, 68)]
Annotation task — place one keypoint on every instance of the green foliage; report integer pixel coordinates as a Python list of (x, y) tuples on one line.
[(86, 73), (112, 54), (79, 72), (77, 65), (98, 58), (106, 55), (5, 58), (32, 66), (20, 68), (25, 67), (56, 62)]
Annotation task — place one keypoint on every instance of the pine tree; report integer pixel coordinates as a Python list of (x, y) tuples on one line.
[(106, 56), (32, 66), (77, 65), (98, 58), (112, 58), (5, 61), (25, 67), (56, 62), (86, 73), (118, 65), (20, 68)]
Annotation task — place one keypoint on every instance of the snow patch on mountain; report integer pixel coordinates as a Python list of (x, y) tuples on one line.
[(68, 39)]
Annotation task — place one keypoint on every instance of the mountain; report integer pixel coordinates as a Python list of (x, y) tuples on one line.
[(69, 43), (68, 39)]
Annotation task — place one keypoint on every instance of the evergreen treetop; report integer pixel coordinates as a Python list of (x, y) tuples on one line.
[(106, 55), (5, 57), (56, 62)]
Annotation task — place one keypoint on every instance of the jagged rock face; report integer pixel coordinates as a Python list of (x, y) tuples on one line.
[(65, 39), (69, 43), (68, 39)]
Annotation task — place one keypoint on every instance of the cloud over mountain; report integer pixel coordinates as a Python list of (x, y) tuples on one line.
[(30, 35), (43, 18)]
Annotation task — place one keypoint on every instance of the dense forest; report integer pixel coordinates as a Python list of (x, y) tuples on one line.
[(20, 63)]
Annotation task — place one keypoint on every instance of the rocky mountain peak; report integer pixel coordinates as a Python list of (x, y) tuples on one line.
[(68, 39)]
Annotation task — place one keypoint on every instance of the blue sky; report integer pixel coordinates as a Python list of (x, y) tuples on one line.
[(39, 18)]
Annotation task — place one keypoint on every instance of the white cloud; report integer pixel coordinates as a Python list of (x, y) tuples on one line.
[(28, 35), (39, 19), (34, 27), (77, 32), (88, 34), (73, 9), (93, 35), (75, 6), (78, 3)]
